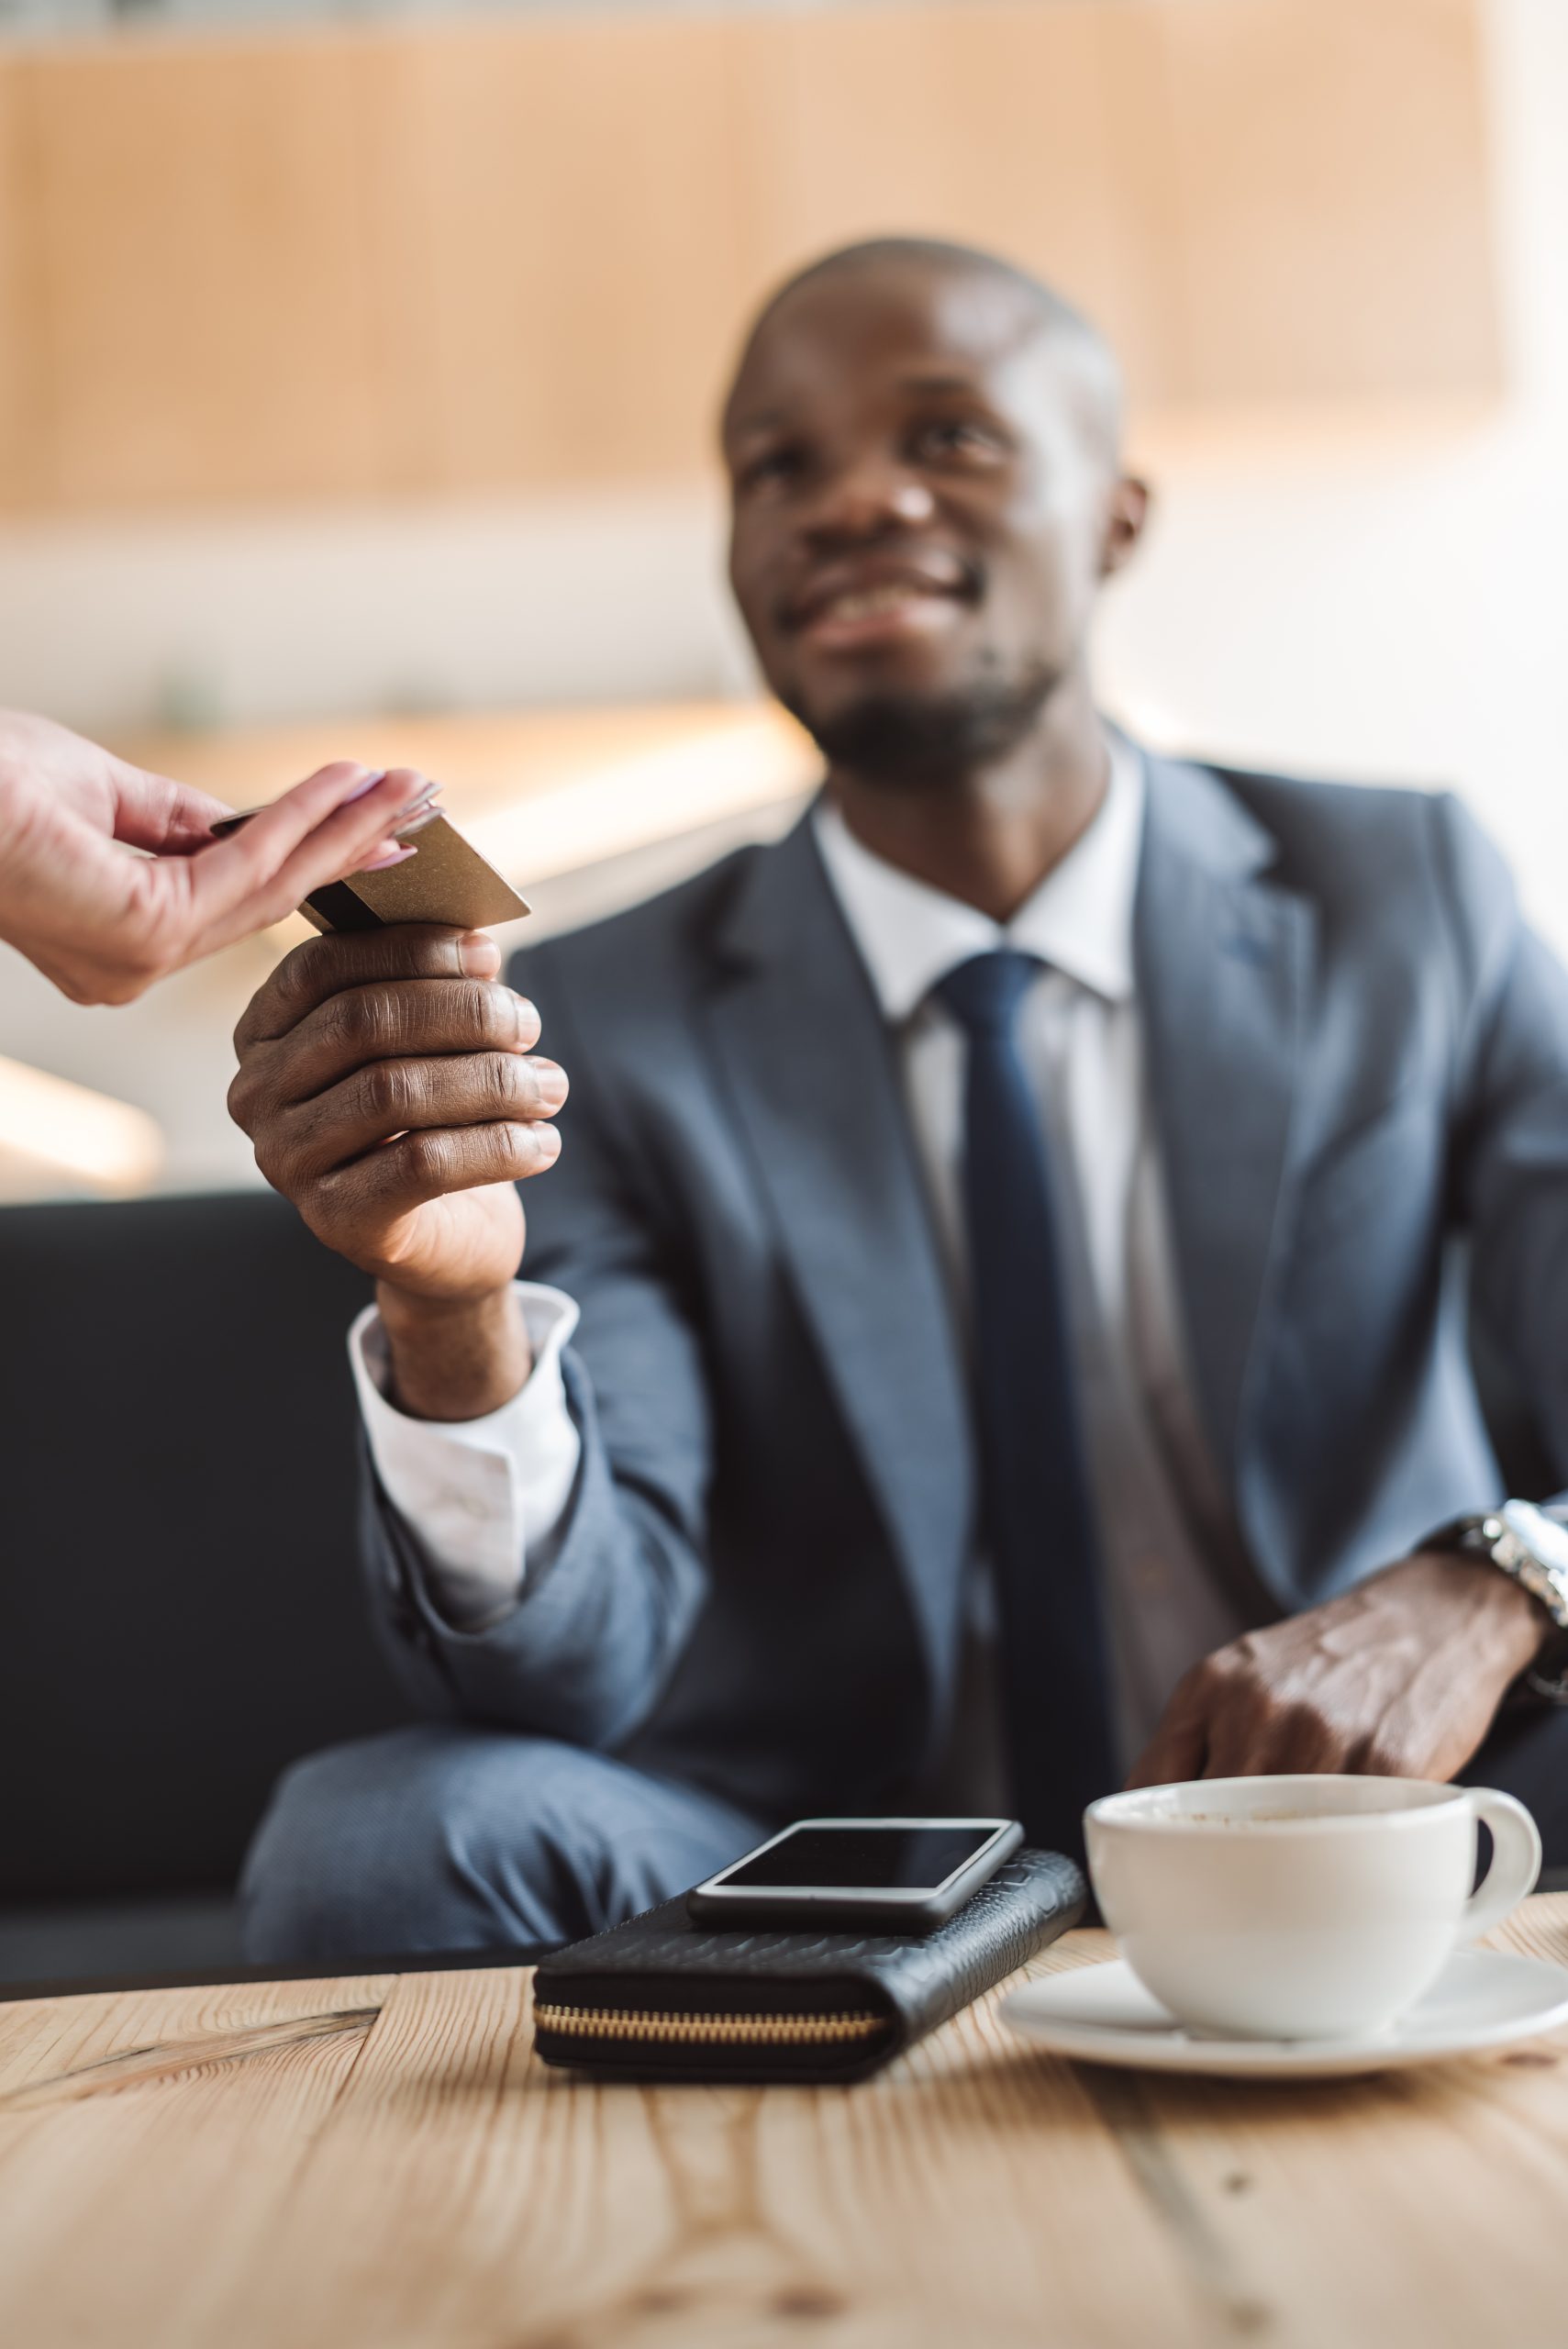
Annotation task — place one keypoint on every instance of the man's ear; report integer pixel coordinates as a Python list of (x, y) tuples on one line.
[(1127, 511)]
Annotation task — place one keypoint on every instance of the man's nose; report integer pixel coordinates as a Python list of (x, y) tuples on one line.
[(869, 501)]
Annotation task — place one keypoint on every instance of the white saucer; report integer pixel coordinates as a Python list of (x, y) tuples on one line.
[(1102, 2014)]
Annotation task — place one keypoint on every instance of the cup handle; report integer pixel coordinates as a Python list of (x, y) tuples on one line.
[(1516, 1862)]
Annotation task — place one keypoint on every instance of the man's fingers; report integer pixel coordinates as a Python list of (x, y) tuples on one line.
[(1274, 1734), (1168, 1759), (403, 1021), (418, 1167), (324, 967), (393, 1097), (1238, 1745), (1176, 1750)]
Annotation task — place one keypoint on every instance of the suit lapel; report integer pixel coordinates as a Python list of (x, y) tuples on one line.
[(813, 1076), (1225, 960)]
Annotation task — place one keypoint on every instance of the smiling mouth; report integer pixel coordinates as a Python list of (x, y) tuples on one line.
[(866, 603), (889, 606)]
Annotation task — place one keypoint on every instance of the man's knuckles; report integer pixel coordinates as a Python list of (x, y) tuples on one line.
[(327, 964), (286, 1165), (1215, 1679), (441, 1159), (428, 1163), (243, 1097), (452, 1016), (1306, 1729), (338, 962), (385, 1095), (297, 1142), (392, 1095)]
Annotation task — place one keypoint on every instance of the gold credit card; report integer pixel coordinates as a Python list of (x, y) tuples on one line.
[(448, 882)]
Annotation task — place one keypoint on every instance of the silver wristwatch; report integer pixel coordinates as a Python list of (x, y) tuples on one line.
[(1529, 1546)]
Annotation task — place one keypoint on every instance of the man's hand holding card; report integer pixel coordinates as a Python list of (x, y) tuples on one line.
[(388, 1081)]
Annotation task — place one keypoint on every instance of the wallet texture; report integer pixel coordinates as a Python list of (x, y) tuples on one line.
[(662, 1997)]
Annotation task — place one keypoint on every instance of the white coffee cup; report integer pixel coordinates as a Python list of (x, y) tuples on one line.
[(1302, 1908)]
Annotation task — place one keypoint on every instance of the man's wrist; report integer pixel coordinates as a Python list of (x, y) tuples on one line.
[(1526, 1548), (1505, 1627), (1523, 1625), (454, 1358)]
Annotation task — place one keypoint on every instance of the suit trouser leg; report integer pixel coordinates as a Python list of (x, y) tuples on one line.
[(447, 1837), (1527, 1754)]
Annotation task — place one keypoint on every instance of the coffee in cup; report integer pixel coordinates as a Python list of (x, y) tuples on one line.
[(1304, 1907)]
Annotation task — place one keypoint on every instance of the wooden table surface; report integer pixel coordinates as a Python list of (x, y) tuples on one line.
[(381, 2162)]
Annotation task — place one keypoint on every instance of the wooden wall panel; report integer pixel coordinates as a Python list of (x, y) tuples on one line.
[(558, 260), (1006, 126), (200, 224), (508, 255), (21, 350), (1329, 200)]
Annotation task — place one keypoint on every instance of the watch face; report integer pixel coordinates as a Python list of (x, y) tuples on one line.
[(1539, 1532)]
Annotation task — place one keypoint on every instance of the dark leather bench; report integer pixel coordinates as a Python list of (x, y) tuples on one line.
[(180, 1609)]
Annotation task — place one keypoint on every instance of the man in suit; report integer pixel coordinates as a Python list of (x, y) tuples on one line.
[(995, 1325)]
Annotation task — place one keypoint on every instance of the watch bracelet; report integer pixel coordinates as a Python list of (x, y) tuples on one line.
[(1497, 1544), (1492, 1542)]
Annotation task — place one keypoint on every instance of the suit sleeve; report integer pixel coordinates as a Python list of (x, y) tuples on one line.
[(606, 1611), (1511, 1121)]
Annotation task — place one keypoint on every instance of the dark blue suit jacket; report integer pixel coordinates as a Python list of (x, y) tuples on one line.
[(1358, 1055)]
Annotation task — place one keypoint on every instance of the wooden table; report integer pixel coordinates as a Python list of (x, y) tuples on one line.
[(381, 2162)]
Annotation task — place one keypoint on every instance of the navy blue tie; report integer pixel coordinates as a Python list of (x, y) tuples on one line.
[(1037, 1515)]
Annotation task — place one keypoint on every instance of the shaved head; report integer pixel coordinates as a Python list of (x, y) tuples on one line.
[(1037, 311)]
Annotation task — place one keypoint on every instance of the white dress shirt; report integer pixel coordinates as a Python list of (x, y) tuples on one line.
[(482, 1495)]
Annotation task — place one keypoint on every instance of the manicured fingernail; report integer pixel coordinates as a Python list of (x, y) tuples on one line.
[(417, 822), (478, 956), (368, 784), (398, 856), (550, 1083)]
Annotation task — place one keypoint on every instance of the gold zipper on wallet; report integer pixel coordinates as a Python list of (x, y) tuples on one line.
[(779, 2030)]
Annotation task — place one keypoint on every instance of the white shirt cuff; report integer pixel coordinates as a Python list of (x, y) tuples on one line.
[(477, 1493)]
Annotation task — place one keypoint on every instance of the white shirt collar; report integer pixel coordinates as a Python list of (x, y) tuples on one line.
[(1079, 920)]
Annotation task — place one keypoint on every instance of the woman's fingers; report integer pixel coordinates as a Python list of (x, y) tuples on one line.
[(154, 812), (335, 823)]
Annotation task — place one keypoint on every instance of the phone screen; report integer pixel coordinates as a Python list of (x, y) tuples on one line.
[(905, 1859)]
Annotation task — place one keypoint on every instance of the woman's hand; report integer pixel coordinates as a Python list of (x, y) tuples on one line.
[(103, 925)]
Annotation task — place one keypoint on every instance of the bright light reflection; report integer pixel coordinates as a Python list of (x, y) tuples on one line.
[(109, 1144), (652, 795)]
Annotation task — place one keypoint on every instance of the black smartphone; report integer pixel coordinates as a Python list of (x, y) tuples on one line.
[(908, 1872)]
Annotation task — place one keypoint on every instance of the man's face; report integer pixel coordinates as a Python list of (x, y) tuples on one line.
[(923, 501)]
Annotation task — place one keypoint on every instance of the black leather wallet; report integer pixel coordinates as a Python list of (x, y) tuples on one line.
[(663, 1998)]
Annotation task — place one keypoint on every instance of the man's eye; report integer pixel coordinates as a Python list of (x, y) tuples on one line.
[(770, 467), (958, 437)]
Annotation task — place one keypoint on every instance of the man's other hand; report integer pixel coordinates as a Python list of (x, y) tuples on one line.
[(1400, 1677), (388, 1082)]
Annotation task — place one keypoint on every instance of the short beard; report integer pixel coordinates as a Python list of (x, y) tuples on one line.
[(907, 741)]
